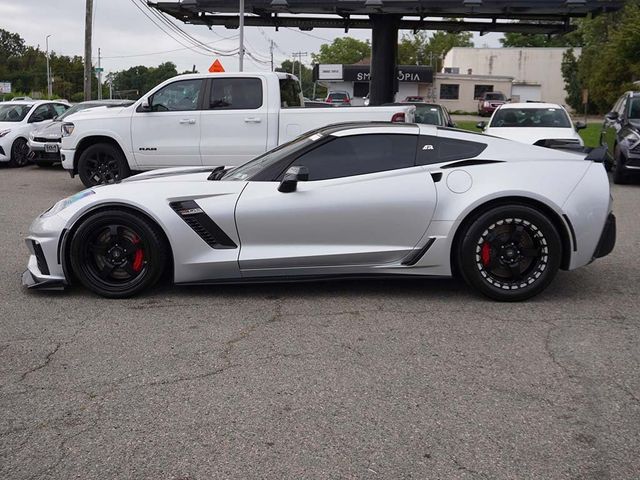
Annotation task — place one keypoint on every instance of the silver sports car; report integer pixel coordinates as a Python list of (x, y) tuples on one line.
[(350, 200)]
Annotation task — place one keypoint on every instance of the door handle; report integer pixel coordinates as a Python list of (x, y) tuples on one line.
[(252, 120), (188, 121)]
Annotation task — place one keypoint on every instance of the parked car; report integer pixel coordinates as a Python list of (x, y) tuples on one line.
[(430, 114), (17, 120), (338, 98), (414, 99), (489, 102), (621, 135), (44, 141), (535, 123), (359, 199), (240, 116)]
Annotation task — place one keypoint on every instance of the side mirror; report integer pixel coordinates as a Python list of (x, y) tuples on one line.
[(481, 125), (612, 116), (37, 119), (144, 105), (581, 125), (291, 178)]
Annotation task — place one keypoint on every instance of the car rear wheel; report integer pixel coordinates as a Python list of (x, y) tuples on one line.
[(19, 153), (117, 254), (617, 169), (510, 253), (102, 163)]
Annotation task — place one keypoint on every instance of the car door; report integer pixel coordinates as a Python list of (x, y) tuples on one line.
[(365, 204), (169, 133), (234, 122)]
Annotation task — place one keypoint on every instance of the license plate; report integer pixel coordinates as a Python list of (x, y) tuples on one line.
[(51, 148)]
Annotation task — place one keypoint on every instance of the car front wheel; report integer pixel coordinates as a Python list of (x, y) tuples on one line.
[(510, 253), (102, 163), (117, 254), (19, 153)]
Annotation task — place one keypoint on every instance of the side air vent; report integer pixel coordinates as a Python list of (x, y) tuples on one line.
[(40, 258), (202, 224)]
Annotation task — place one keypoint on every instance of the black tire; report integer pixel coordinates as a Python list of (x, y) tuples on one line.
[(117, 254), (617, 169), (510, 253), (19, 153), (102, 163)]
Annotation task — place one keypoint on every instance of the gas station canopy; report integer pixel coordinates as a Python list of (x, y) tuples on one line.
[(473, 15)]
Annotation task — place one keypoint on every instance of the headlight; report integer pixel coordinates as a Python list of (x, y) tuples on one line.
[(65, 202), (4, 132), (67, 129), (632, 137)]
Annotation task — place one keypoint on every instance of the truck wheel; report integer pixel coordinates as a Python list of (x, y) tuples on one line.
[(102, 163), (19, 153), (510, 253)]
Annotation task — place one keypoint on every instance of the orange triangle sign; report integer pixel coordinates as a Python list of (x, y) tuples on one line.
[(216, 67)]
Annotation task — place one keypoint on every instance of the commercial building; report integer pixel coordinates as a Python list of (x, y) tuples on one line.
[(536, 72)]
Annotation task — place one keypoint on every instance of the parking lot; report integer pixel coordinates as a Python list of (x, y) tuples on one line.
[(370, 379)]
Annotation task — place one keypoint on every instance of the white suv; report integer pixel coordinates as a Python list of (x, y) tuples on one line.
[(544, 124), (17, 120)]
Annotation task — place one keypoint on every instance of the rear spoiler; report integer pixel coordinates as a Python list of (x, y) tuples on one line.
[(598, 154)]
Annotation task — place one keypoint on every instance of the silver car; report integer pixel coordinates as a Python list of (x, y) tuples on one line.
[(350, 200)]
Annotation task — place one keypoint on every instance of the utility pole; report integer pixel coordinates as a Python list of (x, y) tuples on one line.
[(299, 55), (88, 24), (99, 76), (271, 52), (241, 25), (49, 89)]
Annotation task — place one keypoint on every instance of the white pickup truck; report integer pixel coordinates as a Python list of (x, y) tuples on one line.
[(200, 119)]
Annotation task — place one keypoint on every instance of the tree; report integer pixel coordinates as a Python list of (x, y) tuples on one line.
[(346, 50), (10, 44), (422, 49), (572, 82), (142, 79), (568, 39)]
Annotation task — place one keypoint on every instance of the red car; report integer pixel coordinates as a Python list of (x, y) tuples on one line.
[(489, 101)]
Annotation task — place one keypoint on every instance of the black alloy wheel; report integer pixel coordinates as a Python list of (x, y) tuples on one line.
[(617, 168), (116, 254), (510, 253), (19, 153), (102, 163)]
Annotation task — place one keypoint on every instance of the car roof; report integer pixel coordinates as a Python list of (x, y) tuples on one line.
[(531, 105), (31, 102)]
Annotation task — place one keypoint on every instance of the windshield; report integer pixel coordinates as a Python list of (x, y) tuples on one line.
[(14, 113), (495, 96), (634, 108), (249, 169), (338, 96), (530, 117), (429, 115)]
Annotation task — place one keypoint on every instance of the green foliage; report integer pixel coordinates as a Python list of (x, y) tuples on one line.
[(609, 63), (307, 78), (344, 50), (142, 79), (570, 39), (422, 49), (572, 83)]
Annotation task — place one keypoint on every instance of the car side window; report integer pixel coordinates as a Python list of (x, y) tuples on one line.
[(178, 96), (442, 149), (359, 155), (235, 94), (59, 108), (41, 114)]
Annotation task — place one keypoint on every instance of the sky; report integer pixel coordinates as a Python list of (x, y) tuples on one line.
[(127, 37)]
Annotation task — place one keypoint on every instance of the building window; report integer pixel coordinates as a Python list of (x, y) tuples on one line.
[(480, 90), (449, 91)]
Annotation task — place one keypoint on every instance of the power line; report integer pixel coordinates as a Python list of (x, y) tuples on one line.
[(163, 51), (308, 34)]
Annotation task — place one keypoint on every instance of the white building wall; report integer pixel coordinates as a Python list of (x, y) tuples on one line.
[(532, 66)]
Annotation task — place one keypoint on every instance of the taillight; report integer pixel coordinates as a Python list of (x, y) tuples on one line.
[(398, 117), (347, 100)]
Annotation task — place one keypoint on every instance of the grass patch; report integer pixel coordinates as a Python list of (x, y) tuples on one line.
[(590, 135)]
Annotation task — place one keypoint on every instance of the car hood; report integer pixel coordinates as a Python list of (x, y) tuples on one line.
[(7, 125), (49, 130), (532, 135), (99, 113), (182, 174)]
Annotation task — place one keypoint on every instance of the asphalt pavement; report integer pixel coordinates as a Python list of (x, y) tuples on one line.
[(398, 379)]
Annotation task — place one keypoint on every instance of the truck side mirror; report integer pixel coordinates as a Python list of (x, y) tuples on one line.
[(612, 116), (581, 125), (144, 105), (291, 178)]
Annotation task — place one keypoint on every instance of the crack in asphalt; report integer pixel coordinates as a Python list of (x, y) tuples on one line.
[(46, 362), (473, 473)]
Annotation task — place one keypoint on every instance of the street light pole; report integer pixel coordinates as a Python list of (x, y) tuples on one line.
[(49, 92)]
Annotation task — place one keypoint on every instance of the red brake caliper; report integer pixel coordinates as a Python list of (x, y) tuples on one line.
[(485, 254), (138, 257)]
